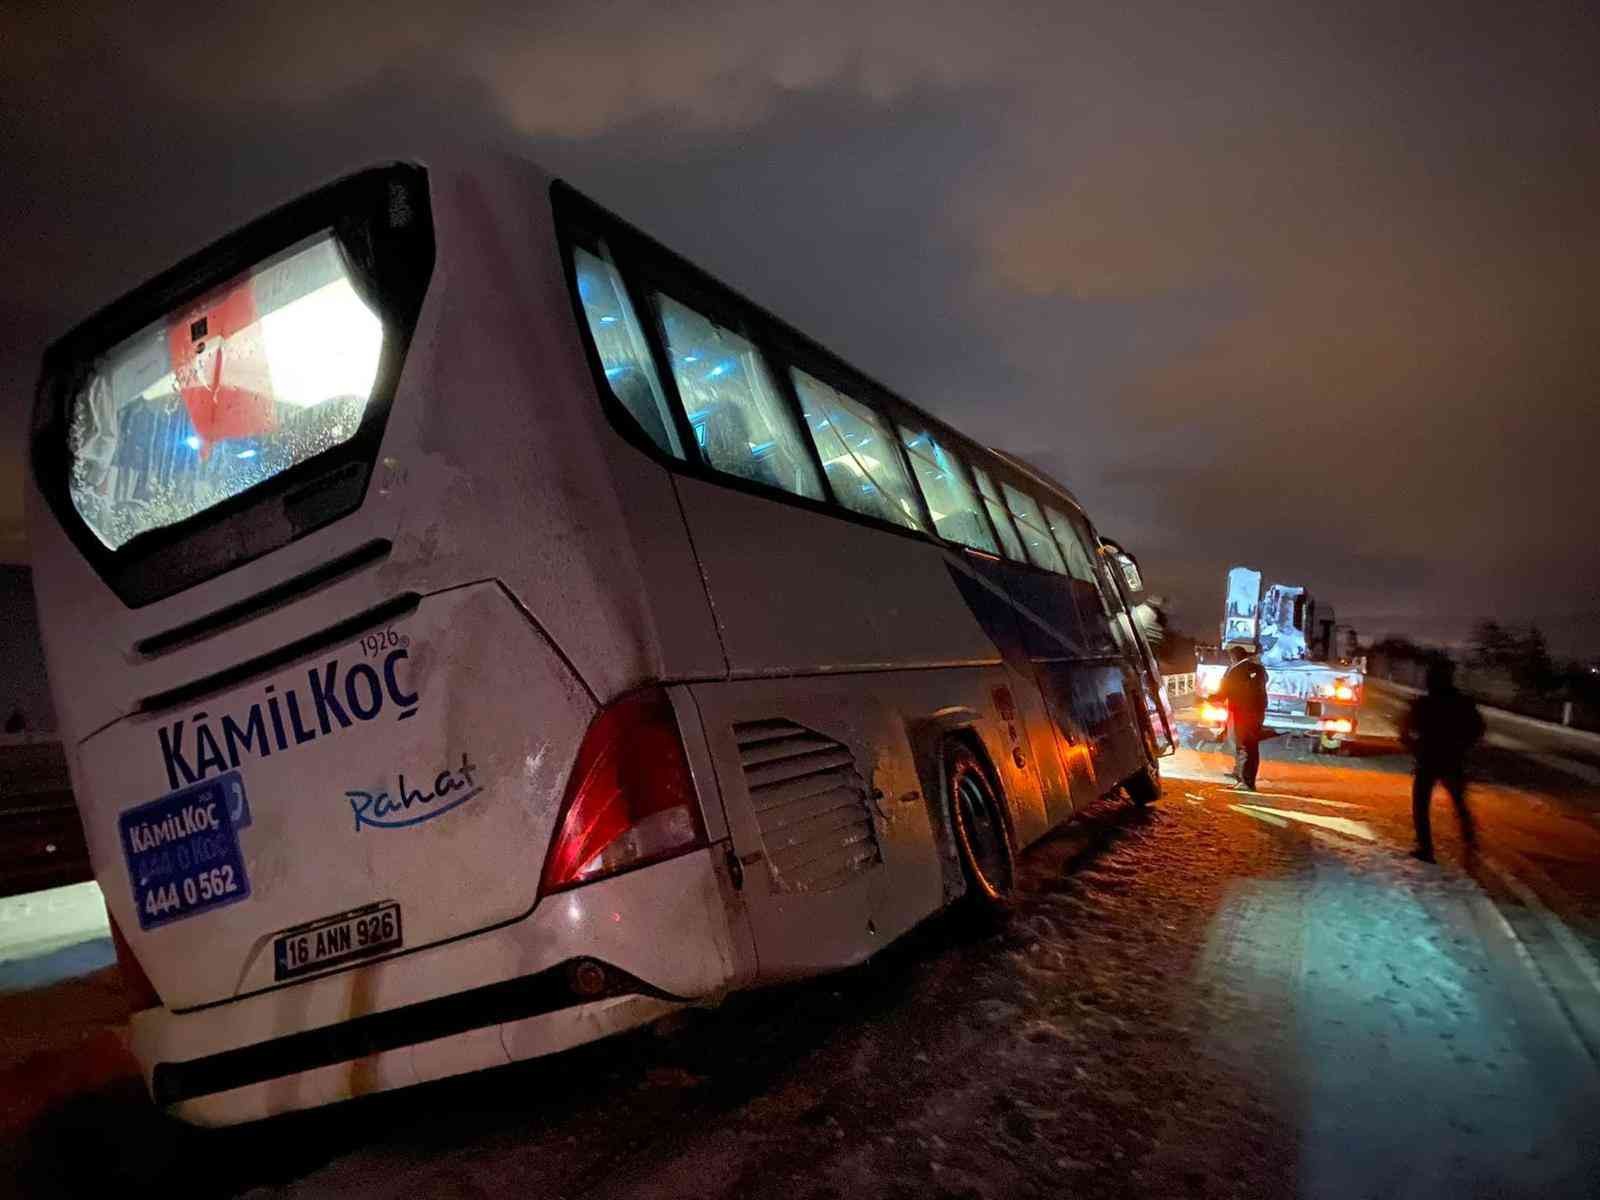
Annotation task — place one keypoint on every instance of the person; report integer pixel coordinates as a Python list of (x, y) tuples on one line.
[(1244, 690), (1440, 729)]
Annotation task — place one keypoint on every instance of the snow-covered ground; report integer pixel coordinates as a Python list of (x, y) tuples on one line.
[(1225, 995), (52, 935)]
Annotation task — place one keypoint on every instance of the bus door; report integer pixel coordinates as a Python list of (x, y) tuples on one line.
[(1153, 706), (1049, 639)]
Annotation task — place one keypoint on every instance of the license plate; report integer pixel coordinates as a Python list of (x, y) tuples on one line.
[(341, 938)]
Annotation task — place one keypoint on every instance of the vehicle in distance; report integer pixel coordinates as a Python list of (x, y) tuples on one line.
[(477, 631), (1306, 696)]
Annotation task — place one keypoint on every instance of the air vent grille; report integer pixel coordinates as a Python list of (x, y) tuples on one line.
[(810, 803)]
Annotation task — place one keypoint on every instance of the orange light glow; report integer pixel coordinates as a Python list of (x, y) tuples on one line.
[(1337, 725), (1344, 692), (1210, 712)]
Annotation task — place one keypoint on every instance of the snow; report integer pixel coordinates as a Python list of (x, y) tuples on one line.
[(1182, 1001)]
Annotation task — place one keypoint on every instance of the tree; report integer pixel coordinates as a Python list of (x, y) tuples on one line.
[(1531, 666), (1400, 649), (1494, 648), (1520, 660)]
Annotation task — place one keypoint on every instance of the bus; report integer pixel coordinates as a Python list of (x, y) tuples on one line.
[(477, 631)]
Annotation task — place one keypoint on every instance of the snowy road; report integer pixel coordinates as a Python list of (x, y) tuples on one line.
[(1226, 996)]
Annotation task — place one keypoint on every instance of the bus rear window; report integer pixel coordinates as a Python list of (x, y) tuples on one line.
[(264, 372)]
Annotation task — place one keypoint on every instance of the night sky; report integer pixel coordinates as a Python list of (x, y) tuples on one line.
[(1314, 292)]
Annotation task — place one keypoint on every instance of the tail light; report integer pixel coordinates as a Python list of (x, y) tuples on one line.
[(1344, 692), (1337, 725), (141, 992), (1213, 713), (630, 799)]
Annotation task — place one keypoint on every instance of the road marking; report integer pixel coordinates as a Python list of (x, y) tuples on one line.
[(1309, 799), (1259, 814), (1193, 799), (1481, 901), (1358, 829), (1557, 928)]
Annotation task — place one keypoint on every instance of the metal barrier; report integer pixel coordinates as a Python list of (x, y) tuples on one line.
[(1179, 685)]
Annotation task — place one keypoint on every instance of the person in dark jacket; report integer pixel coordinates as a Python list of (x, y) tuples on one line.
[(1244, 690), (1440, 729)]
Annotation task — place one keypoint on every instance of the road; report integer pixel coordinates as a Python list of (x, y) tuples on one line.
[(1224, 995)]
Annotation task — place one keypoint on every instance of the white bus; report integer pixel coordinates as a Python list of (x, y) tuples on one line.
[(476, 631)]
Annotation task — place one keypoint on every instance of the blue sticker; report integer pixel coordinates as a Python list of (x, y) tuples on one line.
[(183, 850)]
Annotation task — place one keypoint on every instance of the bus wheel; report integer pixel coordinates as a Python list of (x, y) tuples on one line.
[(1144, 787), (1330, 745), (982, 842)]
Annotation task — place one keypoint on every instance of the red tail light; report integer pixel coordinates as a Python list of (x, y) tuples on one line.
[(141, 992), (630, 799)]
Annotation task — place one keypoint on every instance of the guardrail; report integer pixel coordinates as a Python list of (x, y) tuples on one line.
[(1585, 737), (1179, 685)]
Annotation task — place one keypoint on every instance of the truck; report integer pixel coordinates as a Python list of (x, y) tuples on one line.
[(1315, 681)]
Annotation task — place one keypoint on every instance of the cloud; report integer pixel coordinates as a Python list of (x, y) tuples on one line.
[(1309, 285)]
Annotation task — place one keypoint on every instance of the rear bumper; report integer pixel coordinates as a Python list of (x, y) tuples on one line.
[(662, 932), (1329, 712), (546, 994), (1294, 723)]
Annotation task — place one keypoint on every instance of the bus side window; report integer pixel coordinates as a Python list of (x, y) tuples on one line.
[(859, 454), (624, 354), (1072, 549), (998, 514), (1036, 539), (1100, 612), (742, 422), (1121, 618), (950, 498)]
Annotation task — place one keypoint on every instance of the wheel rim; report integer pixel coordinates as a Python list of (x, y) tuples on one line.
[(985, 835)]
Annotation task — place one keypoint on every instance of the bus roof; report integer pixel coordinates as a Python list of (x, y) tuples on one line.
[(230, 243)]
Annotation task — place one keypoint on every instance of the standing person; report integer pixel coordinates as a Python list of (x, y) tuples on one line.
[(1440, 729), (1244, 689)]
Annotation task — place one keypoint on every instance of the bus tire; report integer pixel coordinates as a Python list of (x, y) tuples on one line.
[(1144, 787), (977, 819)]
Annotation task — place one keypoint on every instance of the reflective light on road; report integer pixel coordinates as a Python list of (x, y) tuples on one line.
[(1308, 800), (1282, 816)]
